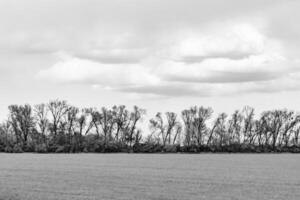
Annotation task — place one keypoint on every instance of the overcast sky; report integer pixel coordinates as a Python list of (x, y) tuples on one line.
[(163, 55)]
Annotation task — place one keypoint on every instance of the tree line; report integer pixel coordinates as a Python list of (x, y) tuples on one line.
[(60, 127)]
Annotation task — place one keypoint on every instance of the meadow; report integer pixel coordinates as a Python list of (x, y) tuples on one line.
[(149, 176)]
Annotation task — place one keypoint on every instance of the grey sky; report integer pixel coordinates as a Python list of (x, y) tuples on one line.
[(161, 55)]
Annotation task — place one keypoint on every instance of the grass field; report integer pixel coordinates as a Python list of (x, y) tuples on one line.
[(149, 176)]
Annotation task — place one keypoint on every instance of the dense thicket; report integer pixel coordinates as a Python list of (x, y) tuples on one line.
[(60, 127)]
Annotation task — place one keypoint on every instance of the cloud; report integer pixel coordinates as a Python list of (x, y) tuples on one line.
[(75, 70), (166, 77), (167, 89), (113, 56), (200, 59), (233, 42), (224, 70)]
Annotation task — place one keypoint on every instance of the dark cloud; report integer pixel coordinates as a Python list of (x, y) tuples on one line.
[(111, 59), (228, 55), (227, 77), (178, 90)]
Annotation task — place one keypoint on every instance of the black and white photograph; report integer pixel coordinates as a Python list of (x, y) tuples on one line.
[(149, 100)]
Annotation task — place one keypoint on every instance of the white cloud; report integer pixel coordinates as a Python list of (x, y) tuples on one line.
[(224, 70), (214, 75), (75, 70), (221, 60), (234, 42)]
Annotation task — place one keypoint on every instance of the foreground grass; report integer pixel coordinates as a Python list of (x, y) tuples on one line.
[(149, 176)]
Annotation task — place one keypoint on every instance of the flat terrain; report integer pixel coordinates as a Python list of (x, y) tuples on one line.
[(149, 176)]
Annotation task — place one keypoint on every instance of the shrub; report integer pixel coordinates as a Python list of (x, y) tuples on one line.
[(111, 148), (170, 149), (2, 147), (8, 149), (29, 147), (60, 149), (17, 149), (85, 150), (41, 148)]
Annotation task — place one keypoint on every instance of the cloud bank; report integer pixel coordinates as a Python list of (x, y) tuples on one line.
[(222, 60), (170, 48)]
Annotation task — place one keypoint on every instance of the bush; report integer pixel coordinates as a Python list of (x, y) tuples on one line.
[(190, 149), (96, 148), (60, 149), (170, 148), (138, 148), (2, 148), (41, 148), (17, 149), (29, 147), (147, 148), (111, 148), (8, 149), (85, 150)]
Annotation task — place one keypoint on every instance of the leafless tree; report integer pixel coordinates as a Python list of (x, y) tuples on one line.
[(71, 119), (41, 118), (235, 127), (135, 116), (167, 131), (58, 109), (22, 121), (248, 125), (122, 120), (216, 133), (188, 124)]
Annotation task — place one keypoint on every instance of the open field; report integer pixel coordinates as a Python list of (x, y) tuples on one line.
[(149, 176)]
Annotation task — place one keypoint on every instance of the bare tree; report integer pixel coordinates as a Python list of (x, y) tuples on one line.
[(71, 119), (84, 123), (41, 118), (135, 116), (168, 131), (296, 136), (58, 110), (157, 127), (95, 117), (188, 124), (290, 122), (217, 133), (195, 120), (248, 128), (6, 133), (121, 119), (220, 130), (202, 115), (235, 127), (106, 122), (172, 122), (178, 130), (22, 121)]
